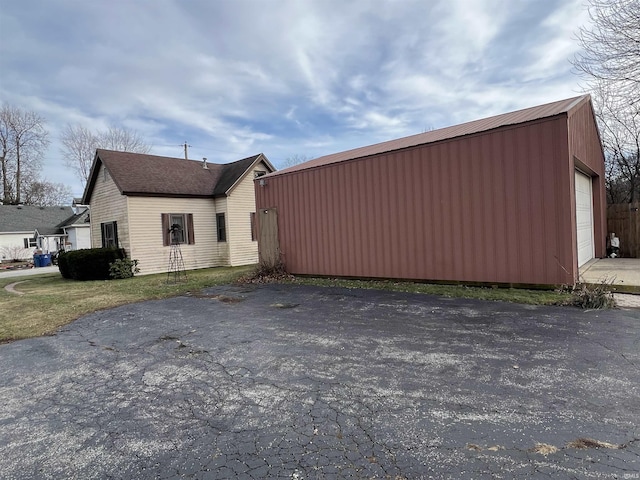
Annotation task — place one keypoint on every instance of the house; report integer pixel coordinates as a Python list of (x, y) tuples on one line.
[(73, 233), (513, 199), (136, 199), (18, 224)]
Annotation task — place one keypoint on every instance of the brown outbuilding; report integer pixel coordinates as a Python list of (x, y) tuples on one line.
[(516, 199)]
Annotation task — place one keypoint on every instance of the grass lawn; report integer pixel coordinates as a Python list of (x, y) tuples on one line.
[(516, 295), (49, 301)]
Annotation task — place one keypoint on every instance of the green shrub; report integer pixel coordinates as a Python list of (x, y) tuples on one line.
[(63, 264), (123, 268), (89, 264)]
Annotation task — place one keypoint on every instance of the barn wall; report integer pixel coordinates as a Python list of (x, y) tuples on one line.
[(489, 207), (586, 154)]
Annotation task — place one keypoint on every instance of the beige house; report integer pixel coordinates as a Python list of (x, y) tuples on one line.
[(145, 203)]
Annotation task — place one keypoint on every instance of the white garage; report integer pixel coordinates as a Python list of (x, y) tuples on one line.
[(584, 218)]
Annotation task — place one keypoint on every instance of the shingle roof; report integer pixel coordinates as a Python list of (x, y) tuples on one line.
[(77, 219), (231, 173), (152, 175), (28, 218), (469, 128)]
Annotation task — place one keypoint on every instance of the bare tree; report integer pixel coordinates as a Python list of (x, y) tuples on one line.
[(79, 146), (123, 140), (611, 45), (46, 194), (610, 63), (294, 160), (24, 142)]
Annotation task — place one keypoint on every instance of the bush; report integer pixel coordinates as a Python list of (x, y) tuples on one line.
[(89, 264), (592, 296), (123, 268), (267, 273)]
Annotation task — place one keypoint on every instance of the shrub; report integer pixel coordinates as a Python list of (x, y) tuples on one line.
[(267, 273), (89, 264), (123, 268), (592, 296)]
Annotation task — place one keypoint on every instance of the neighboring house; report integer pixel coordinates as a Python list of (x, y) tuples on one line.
[(74, 233), (136, 198), (18, 224), (517, 198)]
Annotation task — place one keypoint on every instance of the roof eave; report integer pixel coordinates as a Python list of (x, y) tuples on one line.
[(260, 158)]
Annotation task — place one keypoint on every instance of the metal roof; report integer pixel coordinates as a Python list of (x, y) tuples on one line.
[(469, 128)]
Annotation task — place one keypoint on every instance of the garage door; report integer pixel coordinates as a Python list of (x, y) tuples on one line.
[(584, 218)]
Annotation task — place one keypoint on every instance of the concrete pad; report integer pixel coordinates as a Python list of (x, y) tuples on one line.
[(300, 382), (622, 273)]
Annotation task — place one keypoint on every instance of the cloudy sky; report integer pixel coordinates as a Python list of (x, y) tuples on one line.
[(283, 77)]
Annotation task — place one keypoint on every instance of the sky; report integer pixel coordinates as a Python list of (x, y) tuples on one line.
[(288, 78)]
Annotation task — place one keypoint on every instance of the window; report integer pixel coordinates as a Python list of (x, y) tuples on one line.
[(258, 173), (109, 234), (253, 226), (177, 228), (222, 229), (30, 242)]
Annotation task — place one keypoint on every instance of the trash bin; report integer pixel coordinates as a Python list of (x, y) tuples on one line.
[(45, 261), (37, 260)]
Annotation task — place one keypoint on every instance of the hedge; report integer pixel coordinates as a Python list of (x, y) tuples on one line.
[(89, 264)]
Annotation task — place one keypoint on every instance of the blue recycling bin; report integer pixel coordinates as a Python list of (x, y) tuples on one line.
[(37, 260), (46, 260)]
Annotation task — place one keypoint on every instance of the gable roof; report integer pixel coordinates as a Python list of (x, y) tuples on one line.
[(28, 218), (233, 172), (151, 175), (469, 128)]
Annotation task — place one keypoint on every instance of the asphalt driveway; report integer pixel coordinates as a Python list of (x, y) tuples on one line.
[(303, 382)]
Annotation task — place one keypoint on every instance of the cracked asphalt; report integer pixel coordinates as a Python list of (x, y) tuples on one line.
[(300, 382)]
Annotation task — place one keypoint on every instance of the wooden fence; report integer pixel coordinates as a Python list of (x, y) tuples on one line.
[(624, 220)]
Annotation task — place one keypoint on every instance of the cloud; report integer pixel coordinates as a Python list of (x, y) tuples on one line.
[(289, 77)]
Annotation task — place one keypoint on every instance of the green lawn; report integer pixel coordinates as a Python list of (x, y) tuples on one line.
[(49, 301)]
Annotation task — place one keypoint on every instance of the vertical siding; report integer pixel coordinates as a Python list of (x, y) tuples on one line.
[(241, 202), (485, 208), (108, 205), (146, 233), (586, 152)]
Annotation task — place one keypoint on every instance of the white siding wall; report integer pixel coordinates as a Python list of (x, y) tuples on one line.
[(79, 237), (108, 205), (242, 202), (11, 245), (146, 233)]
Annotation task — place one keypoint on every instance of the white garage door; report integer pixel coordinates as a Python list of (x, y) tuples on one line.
[(584, 218)]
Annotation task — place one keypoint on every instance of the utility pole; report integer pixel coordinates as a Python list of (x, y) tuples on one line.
[(186, 155)]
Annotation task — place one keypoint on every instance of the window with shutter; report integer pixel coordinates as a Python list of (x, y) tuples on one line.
[(177, 228)]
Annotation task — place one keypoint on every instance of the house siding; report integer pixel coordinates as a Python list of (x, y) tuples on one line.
[(146, 233), (108, 205), (492, 207), (241, 203), (11, 245)]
